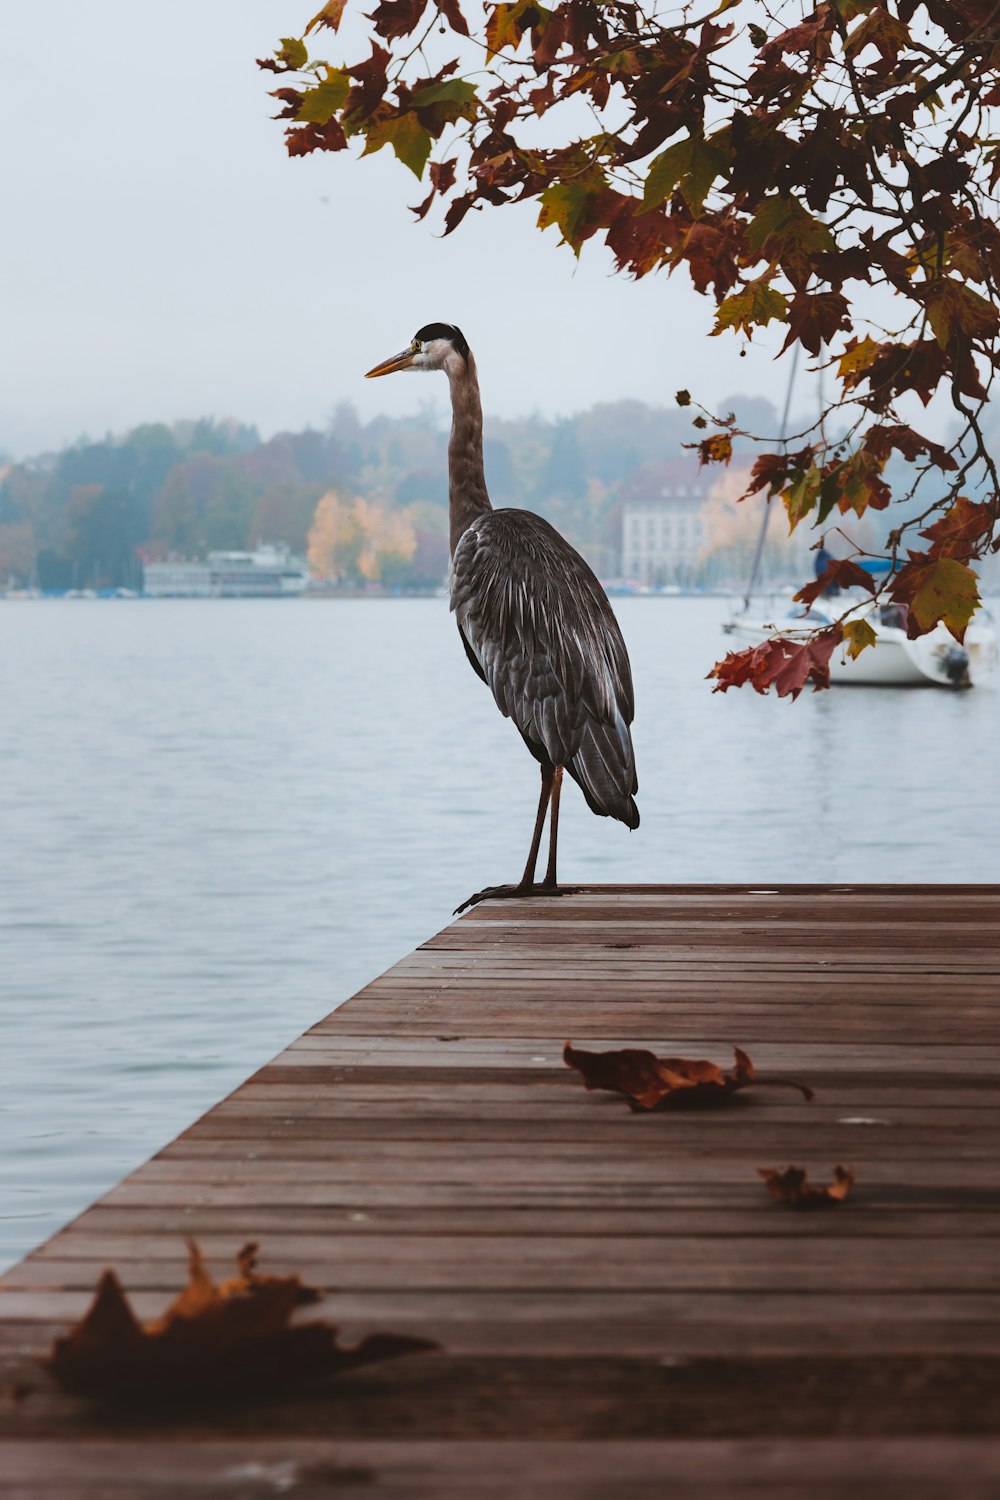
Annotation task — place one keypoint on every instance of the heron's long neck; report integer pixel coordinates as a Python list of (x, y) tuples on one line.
[(467, 497)]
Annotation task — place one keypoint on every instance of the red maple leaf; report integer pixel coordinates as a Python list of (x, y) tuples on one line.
[(783, 664), (840, 572)]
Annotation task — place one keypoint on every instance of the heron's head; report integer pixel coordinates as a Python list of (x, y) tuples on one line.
[(436, 346)]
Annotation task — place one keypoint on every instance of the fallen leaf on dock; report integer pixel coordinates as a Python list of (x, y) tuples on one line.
[(225, 1340), (651, 1082), (793, 1186)]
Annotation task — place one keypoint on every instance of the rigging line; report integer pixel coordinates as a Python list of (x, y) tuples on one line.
[(762, 534)]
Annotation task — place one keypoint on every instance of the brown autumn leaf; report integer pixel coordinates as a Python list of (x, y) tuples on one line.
[(958, 531), (212, 1341), (651, 1082), (302, 139), (882, 438), (793, 1187), (395, 18), (717, 449), (814, 319), (781, 663), (840, 572), (776, 470)]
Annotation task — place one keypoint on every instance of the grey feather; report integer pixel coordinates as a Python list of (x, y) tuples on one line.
[(539, 630)]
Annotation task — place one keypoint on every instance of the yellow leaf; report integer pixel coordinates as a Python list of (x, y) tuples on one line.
[(665, 172), (563, 204), (858, 636), (949, 592), (508, 23), (452, 91), (407, 137), (859, 356), (752, 308), (442, 104), (293, 52), (706, 164), (693, 164), (953, 308), (800, 497), (882, 31), (320, 104), (717, 449), (782, 229), (330, 16)]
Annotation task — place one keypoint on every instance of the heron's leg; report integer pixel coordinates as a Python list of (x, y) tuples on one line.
[(526, 886), (549, 774), (550, 882)]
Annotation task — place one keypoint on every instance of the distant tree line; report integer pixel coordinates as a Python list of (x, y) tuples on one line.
[(366, 502)]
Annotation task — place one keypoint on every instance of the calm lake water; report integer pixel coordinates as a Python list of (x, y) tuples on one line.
[(219, 819)]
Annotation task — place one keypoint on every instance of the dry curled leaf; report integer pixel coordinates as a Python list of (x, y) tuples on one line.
[(651, 1082), (219, 1341), (793, 1186)]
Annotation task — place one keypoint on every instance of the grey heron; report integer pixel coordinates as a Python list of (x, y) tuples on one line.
[(535, 623)]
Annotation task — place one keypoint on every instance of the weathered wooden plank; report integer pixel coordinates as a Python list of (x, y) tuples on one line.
[(539, 1311), (540, 1262), (488, 1334), (883, 1220), (480, 1172), (782, 1133), (252, 1468), (382, 1058), (365, 1193)]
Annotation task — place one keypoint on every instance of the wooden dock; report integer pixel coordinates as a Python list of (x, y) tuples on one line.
[(620, 1307)]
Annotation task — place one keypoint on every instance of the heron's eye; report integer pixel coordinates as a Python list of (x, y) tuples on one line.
[(415, 346)]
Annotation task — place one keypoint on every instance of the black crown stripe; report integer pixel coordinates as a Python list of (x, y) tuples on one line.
[(448, 331)]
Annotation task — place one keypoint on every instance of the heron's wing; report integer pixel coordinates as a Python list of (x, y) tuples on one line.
[(538, 628)]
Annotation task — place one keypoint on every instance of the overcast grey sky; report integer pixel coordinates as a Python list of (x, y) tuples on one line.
[(162, 256)]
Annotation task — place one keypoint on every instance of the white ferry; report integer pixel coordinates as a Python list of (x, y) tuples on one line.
[(268, 572)]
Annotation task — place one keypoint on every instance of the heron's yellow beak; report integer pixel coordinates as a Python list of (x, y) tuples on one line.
[(397, 362)]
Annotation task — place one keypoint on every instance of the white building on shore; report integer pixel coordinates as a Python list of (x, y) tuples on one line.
[(663, 527)]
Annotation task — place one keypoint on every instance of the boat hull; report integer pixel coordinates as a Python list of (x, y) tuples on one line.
[(933, 660)]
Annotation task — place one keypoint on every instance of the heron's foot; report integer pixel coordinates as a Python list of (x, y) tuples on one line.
[(509, 892)]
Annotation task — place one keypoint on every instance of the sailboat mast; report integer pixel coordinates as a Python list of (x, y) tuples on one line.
[(762, 534)]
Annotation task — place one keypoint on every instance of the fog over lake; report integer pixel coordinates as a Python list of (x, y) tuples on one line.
[(221, 818)]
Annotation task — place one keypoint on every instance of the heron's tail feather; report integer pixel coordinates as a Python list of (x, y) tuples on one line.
[(604, 766)]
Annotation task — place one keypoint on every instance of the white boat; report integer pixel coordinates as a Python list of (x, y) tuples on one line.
[(267, 572), (936, 659)]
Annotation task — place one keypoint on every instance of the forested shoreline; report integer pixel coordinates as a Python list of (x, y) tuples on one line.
[(364, 502), (91, 515)]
